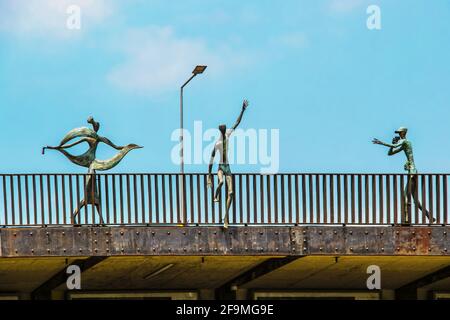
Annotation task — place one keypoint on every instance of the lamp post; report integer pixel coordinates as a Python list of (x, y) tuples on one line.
[(198, 70)]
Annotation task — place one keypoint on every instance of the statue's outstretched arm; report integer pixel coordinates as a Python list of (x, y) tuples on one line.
[(66, 146), (394, 150), (395, 147), (109, 142), (238, 121), (390, 145)]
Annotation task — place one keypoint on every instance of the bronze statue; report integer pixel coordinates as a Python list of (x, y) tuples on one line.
[(400, 143), (221, 147), (88, 159)]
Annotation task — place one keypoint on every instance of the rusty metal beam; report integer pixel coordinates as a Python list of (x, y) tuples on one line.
[(409, 291), (43, 292), (215, 241), (228, 290)]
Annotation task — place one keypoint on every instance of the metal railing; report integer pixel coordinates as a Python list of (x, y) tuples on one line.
[(154, 199)]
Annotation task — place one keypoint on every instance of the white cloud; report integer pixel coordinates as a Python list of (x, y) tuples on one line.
[(295, 40), (345, 6), (47, 18), (157, 60)]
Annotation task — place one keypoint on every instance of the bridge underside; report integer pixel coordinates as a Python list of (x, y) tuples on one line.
[(241, 262)]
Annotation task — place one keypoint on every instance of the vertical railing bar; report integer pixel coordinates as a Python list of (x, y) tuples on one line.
[(374, 198), (311, 198), (56, 198), (199, 203), (191, 197), (416, 198), (409, 207), (222, 199), (150, 202), (170, 199), (183, 194), (366, 198), (49, 200), (63, 184), (114, 198), (403, 205), (177, 194), (290, 198), (318, 211), (213, 207), (5, 200), (353, 198), (11, 185), (121, 204), (297, 200), (163, 186), (430, 195), (35, 210), (283, 211), (395, 178), (78, 200), (304, 205), (261, 198), (339, 200), (438, 199), (86, 203), (157, 213), (233, 205), (127, 179), (141, 177), (27, 201), (324, 199), (255, 203), (98, 181), (93, 178), (388, 200), (269, 199), (108, 218), (360, 199), (135, 198), (41, 185), (241, 211), (331, 186), (205, 197), (445, 195), (19, 195), (346, 211), (380, 198), (275, 195), (423, 196)]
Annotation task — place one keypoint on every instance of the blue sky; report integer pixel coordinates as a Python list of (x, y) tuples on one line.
[(311, 69)]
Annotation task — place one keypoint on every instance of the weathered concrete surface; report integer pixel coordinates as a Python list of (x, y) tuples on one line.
[(215, 241)]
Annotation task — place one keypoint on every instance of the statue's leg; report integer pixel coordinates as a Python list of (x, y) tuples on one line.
[(77, 211), (99, 211), (415, 194), (230, 197), (219, 186), (407, 203)]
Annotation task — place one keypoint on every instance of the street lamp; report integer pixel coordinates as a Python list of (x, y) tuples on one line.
[(198, 70)]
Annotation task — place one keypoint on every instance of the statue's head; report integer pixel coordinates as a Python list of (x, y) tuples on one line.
[(223, 129), (402, 131), (133, 146), (94, 123)]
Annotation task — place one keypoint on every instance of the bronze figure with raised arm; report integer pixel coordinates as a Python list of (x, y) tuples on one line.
[(401, 143), (89, 160), (221, 147)]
